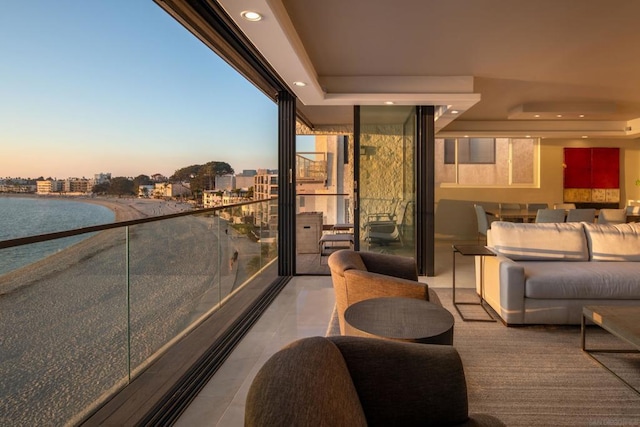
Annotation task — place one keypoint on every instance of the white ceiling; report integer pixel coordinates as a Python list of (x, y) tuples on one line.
[(498, 62)]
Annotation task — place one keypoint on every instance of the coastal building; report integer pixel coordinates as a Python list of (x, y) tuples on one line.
[(146, 190), (225, 182), (77, 186), (101, 178), (17, 185), (211, 198), (265, 187), (169, 190), (244, 180), (49, 186)]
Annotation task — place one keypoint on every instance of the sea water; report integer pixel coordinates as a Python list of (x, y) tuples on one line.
[(26, 216)]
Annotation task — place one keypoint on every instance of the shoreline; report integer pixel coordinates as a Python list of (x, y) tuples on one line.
[(124, 209)]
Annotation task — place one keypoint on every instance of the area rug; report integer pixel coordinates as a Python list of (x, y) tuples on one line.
[(539, 376)]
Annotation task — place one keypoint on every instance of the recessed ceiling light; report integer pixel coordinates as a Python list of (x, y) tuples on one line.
[(466, 136), (558, 115), (581, 115), (527, 136), (454, 111), (585, 136), (250, 15), (301, 84), (536, 115), (389, 102)]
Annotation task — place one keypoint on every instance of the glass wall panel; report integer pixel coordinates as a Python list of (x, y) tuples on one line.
[(174, 277), (386, 179), (63, 331), (324, 200)]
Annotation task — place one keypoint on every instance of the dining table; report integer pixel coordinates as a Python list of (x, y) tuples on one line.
[(514, 215)]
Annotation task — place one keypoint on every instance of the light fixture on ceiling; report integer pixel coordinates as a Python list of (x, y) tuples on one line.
[(584, 136), (250, 15), (299, 84), (527, 136), (581, 115), (454, 111), (536, 115), (389, 102), (558, 115)]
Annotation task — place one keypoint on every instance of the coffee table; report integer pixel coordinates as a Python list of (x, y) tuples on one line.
[(471, 250), (400, 319), (623, 321)]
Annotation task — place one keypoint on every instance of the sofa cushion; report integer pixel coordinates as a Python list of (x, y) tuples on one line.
[(613, 242), (581, 280), (541, 242)]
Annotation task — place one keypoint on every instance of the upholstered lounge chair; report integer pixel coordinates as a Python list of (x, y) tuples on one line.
[(357, 276), (355, 381)]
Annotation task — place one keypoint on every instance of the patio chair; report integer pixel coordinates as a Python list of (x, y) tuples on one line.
[(386, 231), (612, 216), (581, 215), (550, 215)]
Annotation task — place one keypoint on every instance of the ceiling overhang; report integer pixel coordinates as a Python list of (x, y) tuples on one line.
[(516, 95), (276, 39)]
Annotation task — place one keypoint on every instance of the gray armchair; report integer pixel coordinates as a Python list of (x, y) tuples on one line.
[(355, 381), (357, 276)]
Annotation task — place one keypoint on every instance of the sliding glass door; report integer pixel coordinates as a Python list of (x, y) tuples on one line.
[(386, 179)]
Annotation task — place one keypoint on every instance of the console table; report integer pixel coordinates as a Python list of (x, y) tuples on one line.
[(400, 319), (471, 250)]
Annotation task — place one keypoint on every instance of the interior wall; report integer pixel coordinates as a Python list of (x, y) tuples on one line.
[(551, 175)]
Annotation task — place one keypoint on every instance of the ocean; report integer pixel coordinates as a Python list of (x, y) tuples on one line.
[(26, 216)]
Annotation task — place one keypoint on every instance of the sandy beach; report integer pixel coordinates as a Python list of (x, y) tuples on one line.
[(71, 321), (127, 209)]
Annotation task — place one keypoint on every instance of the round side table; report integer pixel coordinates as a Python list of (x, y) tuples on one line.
[(400, 319)]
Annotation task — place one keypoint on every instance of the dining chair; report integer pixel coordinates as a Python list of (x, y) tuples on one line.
[(533, 208), (612, 216), (550, 215), (484, 221), (581, 215), (633, 210)]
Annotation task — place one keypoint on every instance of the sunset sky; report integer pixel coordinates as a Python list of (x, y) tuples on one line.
[(119, 86)]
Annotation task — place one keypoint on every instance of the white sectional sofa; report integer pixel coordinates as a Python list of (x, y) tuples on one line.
[(546, 273)]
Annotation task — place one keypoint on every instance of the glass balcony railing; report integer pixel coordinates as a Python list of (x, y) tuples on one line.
[(80, 323)]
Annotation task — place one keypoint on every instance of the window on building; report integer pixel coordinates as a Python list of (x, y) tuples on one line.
[(470, 151), (487, 162)]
